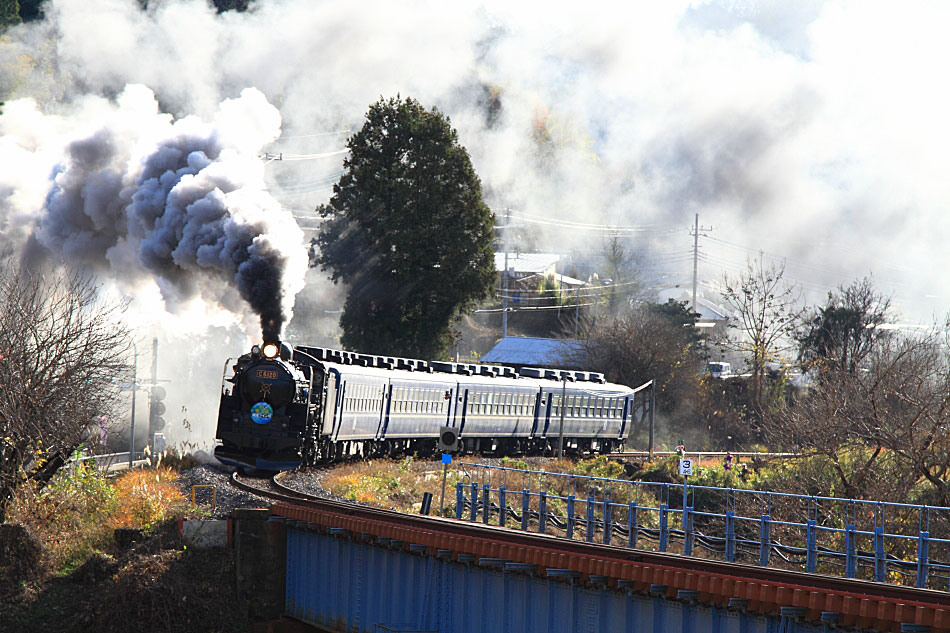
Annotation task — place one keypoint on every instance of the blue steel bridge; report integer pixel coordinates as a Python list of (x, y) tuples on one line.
[(530, 551)]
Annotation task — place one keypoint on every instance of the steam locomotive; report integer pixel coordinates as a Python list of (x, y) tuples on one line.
[(283, 406)]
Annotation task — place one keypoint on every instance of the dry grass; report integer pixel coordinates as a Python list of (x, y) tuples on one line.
[(79, 511), (394, 484), (144, 498)]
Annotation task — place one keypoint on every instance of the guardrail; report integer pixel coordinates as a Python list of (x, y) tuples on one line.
[(873, 540), (111, 461)]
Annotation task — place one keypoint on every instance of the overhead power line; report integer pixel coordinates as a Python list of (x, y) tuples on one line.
[(287, 138), (567, 307), (269, 157), (599, 228)]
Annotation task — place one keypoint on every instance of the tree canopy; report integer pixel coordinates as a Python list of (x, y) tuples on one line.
[(843, 332), (767, 312), (648, 342), (407, 231), (9, 13)]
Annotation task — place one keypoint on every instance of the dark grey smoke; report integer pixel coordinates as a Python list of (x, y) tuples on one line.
[(184, 215)]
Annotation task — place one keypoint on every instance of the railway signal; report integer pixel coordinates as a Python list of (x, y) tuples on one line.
[(448, 439), (156, 409)]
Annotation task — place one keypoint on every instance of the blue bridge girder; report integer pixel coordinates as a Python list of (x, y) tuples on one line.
[(342, 584)]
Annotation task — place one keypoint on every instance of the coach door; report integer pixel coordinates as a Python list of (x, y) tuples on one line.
[(460, 415), (329, 402)]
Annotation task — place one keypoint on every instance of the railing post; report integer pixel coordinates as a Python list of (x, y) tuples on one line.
[(687, 530), (474, 513), (811, 557), (923, 553), (525, 508), (664, 528), (459, 500), (591, 526), (632, 524), (608, 511), (486, 504), (542, 511), (850, 552), (502, 507), (570, 516), (730, 536), (880, 558), (765, 545)]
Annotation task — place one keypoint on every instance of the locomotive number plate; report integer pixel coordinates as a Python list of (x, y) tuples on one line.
[(266, 373)]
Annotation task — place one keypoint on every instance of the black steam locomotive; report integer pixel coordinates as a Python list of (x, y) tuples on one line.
[(283, 406)]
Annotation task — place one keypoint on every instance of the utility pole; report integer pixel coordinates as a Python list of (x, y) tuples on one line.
[(577, 309), (560, 433), (652, 408), (504, 298), (695, 257), (696, 229), (153, 382), (135, 386)]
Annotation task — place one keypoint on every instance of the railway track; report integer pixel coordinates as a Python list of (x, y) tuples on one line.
[(270, 488), (860, 603)]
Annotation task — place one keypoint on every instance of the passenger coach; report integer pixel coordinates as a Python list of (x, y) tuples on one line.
[(282, 406)]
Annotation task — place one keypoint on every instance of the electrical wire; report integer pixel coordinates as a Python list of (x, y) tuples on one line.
[(287, 138), (522, 309), (269, 157)]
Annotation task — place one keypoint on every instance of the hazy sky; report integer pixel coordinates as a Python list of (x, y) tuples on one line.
[(812, 131)]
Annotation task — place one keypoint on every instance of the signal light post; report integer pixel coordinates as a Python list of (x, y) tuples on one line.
[(156, 408)]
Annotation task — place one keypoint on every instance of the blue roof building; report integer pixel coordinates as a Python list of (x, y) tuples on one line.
[(520, 351)]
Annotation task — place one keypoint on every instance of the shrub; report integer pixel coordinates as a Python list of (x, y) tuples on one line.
[(147, 497)]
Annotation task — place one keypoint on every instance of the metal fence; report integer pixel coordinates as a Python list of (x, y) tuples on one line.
[(873, 540)]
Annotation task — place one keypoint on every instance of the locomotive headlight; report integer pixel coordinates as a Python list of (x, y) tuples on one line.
[(255, 350), (270, 350)]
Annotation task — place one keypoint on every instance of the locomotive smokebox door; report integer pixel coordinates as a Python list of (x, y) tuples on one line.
[(448, 439)]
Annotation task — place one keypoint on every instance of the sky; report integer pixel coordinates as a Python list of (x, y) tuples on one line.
[(810, 133)]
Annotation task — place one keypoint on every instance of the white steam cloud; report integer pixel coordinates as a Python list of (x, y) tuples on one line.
[(814, 131)]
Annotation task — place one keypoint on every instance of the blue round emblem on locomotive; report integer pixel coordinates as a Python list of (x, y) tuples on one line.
[(262, 413)]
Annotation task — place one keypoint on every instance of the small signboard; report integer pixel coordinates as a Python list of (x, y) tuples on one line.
[(686, 467), (446, 458)]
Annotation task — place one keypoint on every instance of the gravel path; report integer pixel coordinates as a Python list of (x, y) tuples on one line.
[(228, 497)]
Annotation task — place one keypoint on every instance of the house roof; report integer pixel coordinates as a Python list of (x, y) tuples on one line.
[(564, 280), (708, 309), (536, 352), (526, 262)]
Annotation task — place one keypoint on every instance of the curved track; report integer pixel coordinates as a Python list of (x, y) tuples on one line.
[(861, 603)]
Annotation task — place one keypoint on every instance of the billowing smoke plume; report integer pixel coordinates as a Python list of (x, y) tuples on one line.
[(182, 202), (814, 130)]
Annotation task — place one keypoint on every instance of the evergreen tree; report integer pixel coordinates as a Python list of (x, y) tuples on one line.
[(9, 13), (407, 231)]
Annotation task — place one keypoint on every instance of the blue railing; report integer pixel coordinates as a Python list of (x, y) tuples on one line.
[(874, 540)]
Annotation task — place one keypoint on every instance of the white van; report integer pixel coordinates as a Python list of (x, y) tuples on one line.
[(719, 369)]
